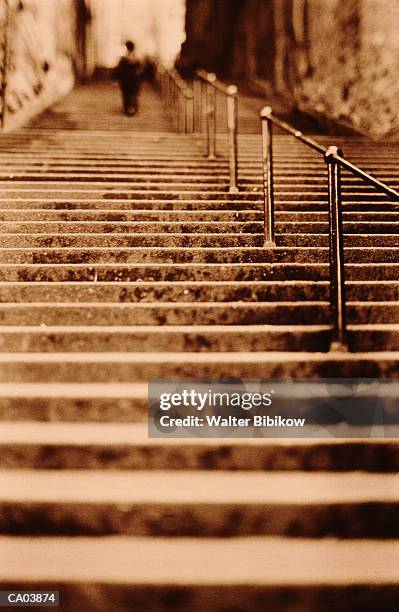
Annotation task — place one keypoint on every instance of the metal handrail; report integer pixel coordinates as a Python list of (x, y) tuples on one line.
[(334, 159), (213, 85), (179, 97)]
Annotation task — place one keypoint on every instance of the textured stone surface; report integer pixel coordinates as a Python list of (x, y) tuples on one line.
[(337, 59), (266, 573), (199, 504), (109, 445)]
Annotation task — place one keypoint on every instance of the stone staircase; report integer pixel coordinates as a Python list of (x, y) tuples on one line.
[(124, 258)]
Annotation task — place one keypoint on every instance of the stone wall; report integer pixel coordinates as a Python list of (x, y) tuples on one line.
[(339, 59), (40, 52)]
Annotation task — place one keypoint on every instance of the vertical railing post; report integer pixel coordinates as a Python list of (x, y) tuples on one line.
[(203, 107), (336, 240), (176, 105), (267, 169), (232, 135), (181, 101), (185, 122), (190, 121), (197, 89), (211, 116)]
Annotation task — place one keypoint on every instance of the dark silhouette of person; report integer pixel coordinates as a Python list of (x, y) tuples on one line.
[(128, 74)]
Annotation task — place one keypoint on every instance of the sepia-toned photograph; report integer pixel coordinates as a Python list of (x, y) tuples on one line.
[(199, 305)]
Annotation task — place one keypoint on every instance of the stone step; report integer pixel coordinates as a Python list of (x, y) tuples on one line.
[(141, 167), (226, 239), (195, 338), (111, 446), (198, 573), (41, 255), (284, 166), (127, 367), (352, 220), (81, 402), (81, 204), (187, 227), (153, 239), (120, 291), (127, 403), (371, 336), (171, 313), (160, 272), (75, 203), (176, 503), (178, 291), (322, 240), (162, 176), (120, 190), (113, 216), (50, 190), (373, 312)]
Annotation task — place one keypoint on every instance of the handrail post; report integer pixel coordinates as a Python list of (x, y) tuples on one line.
[(191, 114), (267, 168), (211, 116), (182, 111), (203, 106), (197, 89), (232, 134), (336, 239)]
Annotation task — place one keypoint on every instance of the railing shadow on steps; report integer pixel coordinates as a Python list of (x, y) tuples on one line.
[(206, 85), (334, 159)]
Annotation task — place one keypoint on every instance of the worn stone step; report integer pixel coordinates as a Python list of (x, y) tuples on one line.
[(148, 191), (198, 573), (127, 403), (373, 312), (76, 203), (110, 446), (159, 272), (121, 227), (120, 291), (179, 255), (152, 239), (365, 271), (152, 272), (187, 227), (379, 290), (371, 337), (374, 336), (193, 254), (112, 216), (50, 190), (179, 291), (164, 313), (351, 219), (99, 502), (219, 178), (136, 338), (316, 173), (128, 367), (350, 240), (227, 239), (81, 204), (82, 402)]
